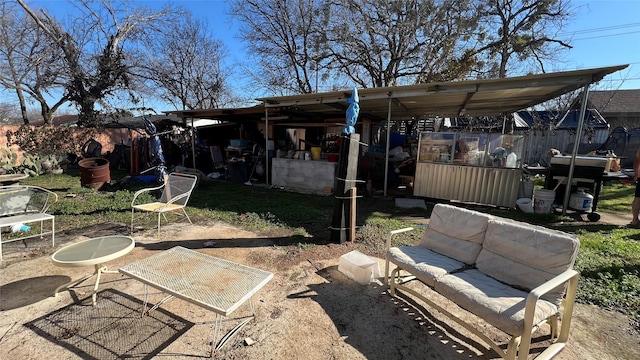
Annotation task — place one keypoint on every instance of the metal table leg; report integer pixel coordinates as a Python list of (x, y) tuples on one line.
[(99, 270)]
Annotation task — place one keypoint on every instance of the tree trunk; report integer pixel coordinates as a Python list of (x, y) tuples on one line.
[(23, 106), (47, 114)]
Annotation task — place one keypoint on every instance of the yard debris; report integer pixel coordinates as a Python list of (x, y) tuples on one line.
[(324, 273), (7, 331), (314, 265)]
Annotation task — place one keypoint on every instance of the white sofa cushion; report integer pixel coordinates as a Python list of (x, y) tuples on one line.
[(525, 256), (497, 303), (456, 232), (425, 264)]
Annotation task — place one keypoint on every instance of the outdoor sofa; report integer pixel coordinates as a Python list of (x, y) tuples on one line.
[(513, 275)]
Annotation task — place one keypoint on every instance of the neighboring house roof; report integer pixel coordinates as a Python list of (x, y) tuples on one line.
[(58, 120), (135, 122), (615, 101)]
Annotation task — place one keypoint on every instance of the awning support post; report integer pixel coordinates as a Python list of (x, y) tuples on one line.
[(576, 145), (386, 153), (266, 143), (193, 144)]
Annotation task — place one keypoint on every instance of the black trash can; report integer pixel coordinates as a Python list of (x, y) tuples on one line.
[(238, 173)]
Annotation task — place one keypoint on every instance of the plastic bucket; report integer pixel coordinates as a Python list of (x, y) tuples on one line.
[(525, 204), (315, 152), (332, 157), (542, 200)]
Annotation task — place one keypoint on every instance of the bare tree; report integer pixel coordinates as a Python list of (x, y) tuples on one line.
[(8, 113), (523, 29), (29, 63), (192, 77), (93, 48), (384, 43), (283, 41), (370, 42)]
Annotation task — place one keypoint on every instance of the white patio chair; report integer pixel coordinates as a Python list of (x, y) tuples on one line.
[(176, 191)]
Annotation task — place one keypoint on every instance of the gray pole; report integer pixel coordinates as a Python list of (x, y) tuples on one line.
[(572, 164), (266, 145), (193, 143), (386, 155)]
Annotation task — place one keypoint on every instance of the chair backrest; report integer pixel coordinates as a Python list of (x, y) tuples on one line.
[(178, 186), (20, 199), (456, 232), (525, 255)]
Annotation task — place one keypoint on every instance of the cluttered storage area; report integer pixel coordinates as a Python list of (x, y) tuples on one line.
[(482, 168)]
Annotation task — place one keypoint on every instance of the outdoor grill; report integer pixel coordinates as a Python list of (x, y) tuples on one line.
[(588, 173)]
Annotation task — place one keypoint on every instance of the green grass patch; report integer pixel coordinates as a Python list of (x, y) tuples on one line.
[(609, 266), (616, 197)]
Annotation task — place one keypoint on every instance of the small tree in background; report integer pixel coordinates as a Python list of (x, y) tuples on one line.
[(93, 49)]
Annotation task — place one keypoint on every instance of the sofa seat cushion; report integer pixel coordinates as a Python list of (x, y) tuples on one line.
[(497, 303), (526, 256), (456, 232), (425, 264)]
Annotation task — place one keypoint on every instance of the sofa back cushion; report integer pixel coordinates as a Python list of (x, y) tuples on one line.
[(456, 232), (525, 256)]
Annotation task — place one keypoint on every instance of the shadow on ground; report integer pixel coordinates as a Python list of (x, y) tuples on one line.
[(29, 291), (195, 244), (111, 329), (400, 327)]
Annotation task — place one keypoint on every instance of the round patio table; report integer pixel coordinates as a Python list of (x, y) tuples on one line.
[(11, 179), (96, 252)]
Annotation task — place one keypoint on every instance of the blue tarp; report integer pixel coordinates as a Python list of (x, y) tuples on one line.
[(563, 120), (156, 155)]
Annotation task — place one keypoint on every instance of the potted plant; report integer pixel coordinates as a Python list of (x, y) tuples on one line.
[(51, 164)]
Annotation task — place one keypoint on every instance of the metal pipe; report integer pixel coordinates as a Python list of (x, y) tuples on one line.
[(386, 154), (266, 145), (576, 145), (193, 143)]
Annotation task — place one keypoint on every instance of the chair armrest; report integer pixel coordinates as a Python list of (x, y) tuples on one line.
[(570, 276), (47, 203), (551, 284), (142, 191), (399, 231)]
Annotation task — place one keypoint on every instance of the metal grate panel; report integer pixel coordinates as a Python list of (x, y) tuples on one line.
[(213, 283)]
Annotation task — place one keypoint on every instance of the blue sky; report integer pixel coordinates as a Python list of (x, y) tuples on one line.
[(603, 33)]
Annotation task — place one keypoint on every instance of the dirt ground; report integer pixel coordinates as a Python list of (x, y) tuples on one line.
[(308, 310)]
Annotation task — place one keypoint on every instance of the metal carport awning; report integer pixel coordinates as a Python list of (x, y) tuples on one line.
[(456, 98)]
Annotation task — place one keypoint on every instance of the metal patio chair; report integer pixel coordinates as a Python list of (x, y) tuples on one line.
[(176, 191)]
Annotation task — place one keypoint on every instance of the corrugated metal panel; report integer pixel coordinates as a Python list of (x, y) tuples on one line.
[(472, 184)]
